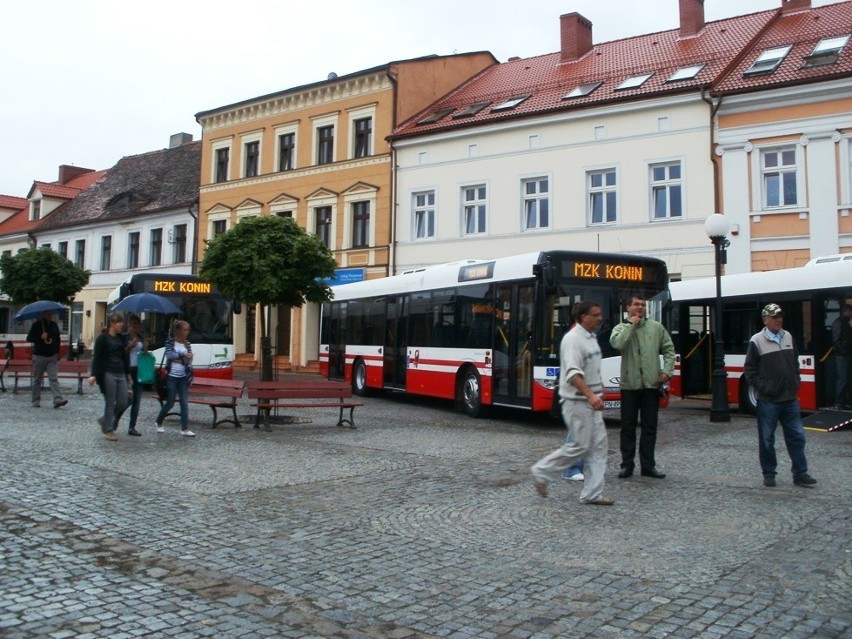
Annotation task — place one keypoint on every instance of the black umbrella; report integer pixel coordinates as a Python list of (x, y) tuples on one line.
[(31, 311), (146, 303)]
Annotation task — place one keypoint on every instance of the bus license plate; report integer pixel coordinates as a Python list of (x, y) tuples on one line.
[(613, 403)]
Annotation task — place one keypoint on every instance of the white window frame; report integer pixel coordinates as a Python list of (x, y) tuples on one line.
[(316, 124), (248, 209), (359, 113), (846, 170), (667, 184), (245, 140), (284, 129), (224, 143), (537, 197), (216, 214), (357, 195), (311, 224), (478, 202), (762, 173), (603, 191), (425, 210)]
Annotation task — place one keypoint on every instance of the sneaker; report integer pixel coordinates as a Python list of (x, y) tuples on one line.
[(769, 481), (574, 477), (36, 405), (134, 433), (160, 428), (804, 480), (60, 403), (187, 433), (111, 436)]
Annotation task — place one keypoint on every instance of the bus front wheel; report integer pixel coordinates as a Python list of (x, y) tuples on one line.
[(359, 379), (470, 392), (748, 400)]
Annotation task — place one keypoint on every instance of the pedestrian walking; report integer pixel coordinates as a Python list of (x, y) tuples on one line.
[(841, 334), (111, 371), (178, 358), (580, 389), (772, 370), (135, 344), (641, 341), (45, 338)]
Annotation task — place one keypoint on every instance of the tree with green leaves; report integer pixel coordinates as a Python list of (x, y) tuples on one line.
[(41, 274), (269, 260)]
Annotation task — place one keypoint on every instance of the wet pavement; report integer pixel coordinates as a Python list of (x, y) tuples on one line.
[(420, 523)]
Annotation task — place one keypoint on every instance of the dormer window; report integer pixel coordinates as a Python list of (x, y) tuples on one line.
[(511, 103), (686, 73), (472, 110), (633, 82), (35, 210), (825, 52), (440, 114), (768, 61), (582, 90)]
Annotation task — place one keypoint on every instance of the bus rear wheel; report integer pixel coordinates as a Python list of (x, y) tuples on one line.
[(469, 392), (748, 401), (359, 379)]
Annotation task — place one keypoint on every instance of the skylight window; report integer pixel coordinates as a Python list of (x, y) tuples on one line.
[(686, 73), (437, 115), (510, 103), (472, 110), (826, 51), (582, 90), (768, 61), (633, 82)]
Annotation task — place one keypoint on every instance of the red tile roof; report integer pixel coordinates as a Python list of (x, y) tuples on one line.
[(56, 190), (18, 223), (12, 202)]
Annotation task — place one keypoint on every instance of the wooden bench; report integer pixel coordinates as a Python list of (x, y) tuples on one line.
[(215, 393), (66, 368), (270, 396), (3, 364)]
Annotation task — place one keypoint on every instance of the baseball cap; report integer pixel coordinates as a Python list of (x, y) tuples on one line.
[(771, 310)]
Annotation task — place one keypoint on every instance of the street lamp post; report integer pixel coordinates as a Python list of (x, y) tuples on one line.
[(716, 227)]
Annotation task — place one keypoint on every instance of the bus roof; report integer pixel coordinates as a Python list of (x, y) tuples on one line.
[(813, 277)]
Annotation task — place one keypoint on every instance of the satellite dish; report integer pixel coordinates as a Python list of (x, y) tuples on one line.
[(332, 76)]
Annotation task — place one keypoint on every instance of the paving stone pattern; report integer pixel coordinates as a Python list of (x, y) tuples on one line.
[(421, 523)]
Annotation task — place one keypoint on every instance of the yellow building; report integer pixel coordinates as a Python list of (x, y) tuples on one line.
[(318, 153)]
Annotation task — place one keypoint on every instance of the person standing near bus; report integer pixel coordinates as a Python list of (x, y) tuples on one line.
[(179, 364), (580, 391), (45, 338), (641, 341), (135, 344), (841, 334), (772, 370), (111, 371)]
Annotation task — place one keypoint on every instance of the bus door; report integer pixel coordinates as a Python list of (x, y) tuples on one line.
[(694, 344), (512, 369), (826, 310), (396, 329), (337, 342)]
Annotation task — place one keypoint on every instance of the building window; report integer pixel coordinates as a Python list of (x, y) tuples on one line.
[(360, 224), (601, 186), (325, 144), (474, 209), (252, 159), (536, 198), (666, 191), (223, 157), (80, 254), (286, 151), (424, 215), (768, 61), (778, 167), (62, 249), (46, 245), (133, 250), (363, 137), (36, 210), (219, 227), (179, 239), (155, 258), (284, 214), (323, 224), (826, 51)]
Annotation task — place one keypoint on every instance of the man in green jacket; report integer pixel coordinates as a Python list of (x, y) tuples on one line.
[(641, 341)]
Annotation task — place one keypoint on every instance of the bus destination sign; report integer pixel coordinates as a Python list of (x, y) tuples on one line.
[(601, 271), (186, 288)]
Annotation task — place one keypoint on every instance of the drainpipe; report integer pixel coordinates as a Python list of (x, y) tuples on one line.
[(391, 269), (194, 267), (714, 108)]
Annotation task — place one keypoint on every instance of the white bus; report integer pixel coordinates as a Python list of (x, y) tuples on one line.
[(811, 297), (481, 332)]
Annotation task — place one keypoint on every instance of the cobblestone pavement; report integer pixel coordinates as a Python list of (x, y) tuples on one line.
[(421, 523)]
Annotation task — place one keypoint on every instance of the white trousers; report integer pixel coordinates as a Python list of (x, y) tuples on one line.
[(587, 428)]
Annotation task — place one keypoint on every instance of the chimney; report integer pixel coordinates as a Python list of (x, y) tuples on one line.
[(691, 17), (576, 36), (68, 172), (788, 6), (179, 139)]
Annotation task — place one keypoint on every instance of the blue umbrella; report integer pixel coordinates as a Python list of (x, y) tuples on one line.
[(31, 311), (146, 303)]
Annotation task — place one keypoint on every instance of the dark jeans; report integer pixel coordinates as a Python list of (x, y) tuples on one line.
[(176, 386), (768, 416), (646, 402)]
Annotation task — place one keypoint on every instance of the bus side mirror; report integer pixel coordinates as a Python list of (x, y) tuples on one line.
[(548, 278)]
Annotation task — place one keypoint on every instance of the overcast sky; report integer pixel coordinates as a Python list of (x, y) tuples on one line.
[(86, 82)]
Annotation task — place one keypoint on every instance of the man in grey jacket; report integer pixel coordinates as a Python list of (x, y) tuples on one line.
[(772, 370)]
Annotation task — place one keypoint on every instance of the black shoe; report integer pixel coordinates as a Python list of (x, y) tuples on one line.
[(653, 472), (60, 403), (135, 433), (804, 480), (769, 481), (625, 473)]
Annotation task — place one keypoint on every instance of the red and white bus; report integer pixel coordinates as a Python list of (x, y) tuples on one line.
[(480, 332), (209, 313), (811, 297)]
